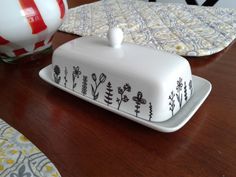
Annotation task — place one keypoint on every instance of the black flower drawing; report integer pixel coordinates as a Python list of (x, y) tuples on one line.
[(97, 82), (123, 98), (109, 94), (57, 71), (138, 100), (150, 111), (172, 102), (179, 95), (75, 74), (84, 85), (65, 76)]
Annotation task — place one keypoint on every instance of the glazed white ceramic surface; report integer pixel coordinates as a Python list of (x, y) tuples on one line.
[(140, 81), (28, 26), (202, 89)]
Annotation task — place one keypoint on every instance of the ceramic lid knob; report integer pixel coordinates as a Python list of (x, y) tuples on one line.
[(115, 37)]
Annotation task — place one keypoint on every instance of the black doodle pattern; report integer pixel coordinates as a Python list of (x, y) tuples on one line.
[(84, 85), (181, 94), (109, 94), (123, 97), (75, 75), (150, 111), (172, 102), (139, 100), (97, 82), (65, 76)]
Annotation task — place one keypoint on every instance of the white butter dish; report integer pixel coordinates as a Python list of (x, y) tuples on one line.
[(133, 80)]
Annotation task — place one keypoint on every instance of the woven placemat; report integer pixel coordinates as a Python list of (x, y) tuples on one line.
[(20, 158), (176, 28)]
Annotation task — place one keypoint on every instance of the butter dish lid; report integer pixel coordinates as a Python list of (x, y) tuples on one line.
[(146, 83), (124, 57)]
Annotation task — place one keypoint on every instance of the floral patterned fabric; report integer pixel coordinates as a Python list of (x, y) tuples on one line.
[(20, 158), (176, 28)]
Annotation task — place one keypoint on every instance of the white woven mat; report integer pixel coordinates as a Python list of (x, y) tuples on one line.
[(177, 28)]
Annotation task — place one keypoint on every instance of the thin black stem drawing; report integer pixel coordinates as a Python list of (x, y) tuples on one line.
[(84, 85), (172, 102), (179, 95), (65, 77), (75, 74), (150, 111), (185, 92)]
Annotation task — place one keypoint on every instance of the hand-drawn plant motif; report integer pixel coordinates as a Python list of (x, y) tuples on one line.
[(138, 100), (65, 77), (109, 94), (123, 98), (75, 74), (185, 92), (172, 102), (84, 85), (57, 71), (179, 95), (150, 111), (101, 80), (191, 86)]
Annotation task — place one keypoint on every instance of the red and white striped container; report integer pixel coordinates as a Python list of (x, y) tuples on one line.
[(27, 26)]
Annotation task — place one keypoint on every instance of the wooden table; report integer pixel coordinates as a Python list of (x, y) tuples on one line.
[(83, 140)]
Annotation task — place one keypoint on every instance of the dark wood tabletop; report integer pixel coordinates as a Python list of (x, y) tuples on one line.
[(83, 140)]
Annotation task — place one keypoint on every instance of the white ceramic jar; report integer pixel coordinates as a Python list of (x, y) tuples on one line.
[(27, 26)]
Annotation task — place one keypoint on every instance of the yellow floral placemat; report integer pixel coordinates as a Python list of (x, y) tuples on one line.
[(20, 158), (177, 28)]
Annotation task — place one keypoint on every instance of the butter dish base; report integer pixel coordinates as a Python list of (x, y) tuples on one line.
[(202, 88)]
